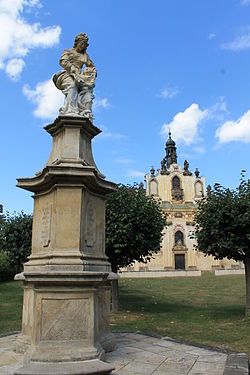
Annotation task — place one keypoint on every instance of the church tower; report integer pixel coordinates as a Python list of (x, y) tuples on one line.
[(171, 156)]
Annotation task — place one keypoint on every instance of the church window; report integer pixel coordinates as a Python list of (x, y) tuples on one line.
[(153, 187), (176, 183), (179, 238), (198, 189)]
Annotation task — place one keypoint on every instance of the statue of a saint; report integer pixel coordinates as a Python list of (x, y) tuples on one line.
[(186, 165), (163, 165), (197, 173), (186, 170), (77, 85)]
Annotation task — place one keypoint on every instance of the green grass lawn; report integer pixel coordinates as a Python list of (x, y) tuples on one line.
[(206, 310), (11, 299)]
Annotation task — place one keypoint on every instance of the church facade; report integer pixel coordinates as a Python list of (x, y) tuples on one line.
[(179, 190)]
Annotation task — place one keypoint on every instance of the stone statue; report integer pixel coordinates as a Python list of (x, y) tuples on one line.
[(77, 85), (197, 173), (141, 186), (163, 165), (186, 165), (186, 170)]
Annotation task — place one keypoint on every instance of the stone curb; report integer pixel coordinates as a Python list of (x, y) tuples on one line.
[(9, 334)]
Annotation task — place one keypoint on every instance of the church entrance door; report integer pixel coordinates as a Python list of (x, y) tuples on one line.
[(179, 261)]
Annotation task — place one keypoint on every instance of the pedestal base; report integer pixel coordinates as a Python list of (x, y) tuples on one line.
[(65, 322), (92, 367)]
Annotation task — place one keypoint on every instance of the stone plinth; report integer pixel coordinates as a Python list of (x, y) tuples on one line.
[(66, 286)]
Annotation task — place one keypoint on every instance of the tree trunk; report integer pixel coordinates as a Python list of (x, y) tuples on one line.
[(247, 276), (114, 286)]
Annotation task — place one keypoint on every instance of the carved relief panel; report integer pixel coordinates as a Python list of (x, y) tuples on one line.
[(90, 235), (46, 226), (93, 225)]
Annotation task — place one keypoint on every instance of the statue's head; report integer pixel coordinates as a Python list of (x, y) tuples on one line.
[(81, 42)]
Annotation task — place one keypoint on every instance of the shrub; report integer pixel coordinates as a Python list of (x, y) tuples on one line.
[(15, 238), (6, 272)]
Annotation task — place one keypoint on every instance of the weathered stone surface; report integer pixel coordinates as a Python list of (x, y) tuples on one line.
[(237, 364), (66, 286), (129, 359), (62, 325), (62, 316), (77, 86), (92, 367)]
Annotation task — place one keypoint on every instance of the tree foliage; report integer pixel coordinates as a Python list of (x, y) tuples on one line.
[(6, 272), (223, 222), (134, 225), (223, 226), (15, 238)]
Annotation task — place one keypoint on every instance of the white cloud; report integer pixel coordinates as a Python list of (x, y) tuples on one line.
[(47, 97), (211, 36), (220, 105), (238, 130), (200, 150), (123, 161), (107, 134), (239, 43), (245, 2), (218, 110), (168, 93), (135, 173), (184, 126), (111, 135), (14, 68), (19, 36), (100, 103)]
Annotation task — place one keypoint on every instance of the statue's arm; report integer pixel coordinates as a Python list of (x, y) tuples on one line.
[(65, 61), (90, 63)]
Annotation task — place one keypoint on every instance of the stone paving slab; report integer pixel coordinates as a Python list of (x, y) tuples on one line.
[(138, 354)]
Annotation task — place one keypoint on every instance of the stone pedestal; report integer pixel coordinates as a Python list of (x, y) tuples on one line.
[(66, 286)]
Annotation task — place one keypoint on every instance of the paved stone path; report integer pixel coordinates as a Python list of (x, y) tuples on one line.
[(138, 354)]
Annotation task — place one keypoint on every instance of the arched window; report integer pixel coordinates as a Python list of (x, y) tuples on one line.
[(179, 238), (176, 183), (153, 187), (198, 189)]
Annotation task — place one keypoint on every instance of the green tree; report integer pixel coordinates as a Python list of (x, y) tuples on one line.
[(223, 226), (15, 238), (134, 225)]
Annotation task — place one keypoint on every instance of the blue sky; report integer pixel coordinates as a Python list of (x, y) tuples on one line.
[(183, 64)]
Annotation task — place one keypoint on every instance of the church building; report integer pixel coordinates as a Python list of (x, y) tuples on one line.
[(178, 189)]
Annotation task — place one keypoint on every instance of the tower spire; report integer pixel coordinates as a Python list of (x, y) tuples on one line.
[(171, 156)]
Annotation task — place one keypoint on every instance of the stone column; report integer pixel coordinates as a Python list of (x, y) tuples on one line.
[(65, 325)]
